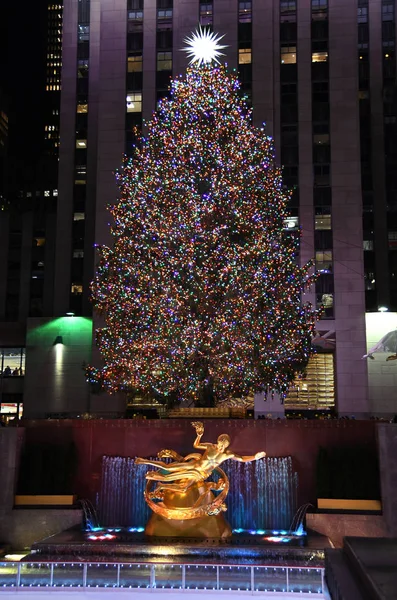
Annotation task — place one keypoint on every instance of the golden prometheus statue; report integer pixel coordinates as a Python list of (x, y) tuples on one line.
[(182, 500)]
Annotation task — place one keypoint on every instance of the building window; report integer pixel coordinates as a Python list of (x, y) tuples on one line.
[(322, 175), (82, 68), (322, 139), (206, 14), (322, 222), (319, 5), (164, 15), (315, 389), (319, 10), (80, 144), (244, 56), (82, 108), (12, 362), (288, 10), (83, 33), (319, 57), (362, 14), (80, 175), (134, 102), (288, 55), (388, 11), (135, 15), (244, 12), (78, 253), (164, 62), (78, 216), (324, 261), (76, 289), (368, 245), (134, 64), (326, 302), (392, 237), (291, 223)]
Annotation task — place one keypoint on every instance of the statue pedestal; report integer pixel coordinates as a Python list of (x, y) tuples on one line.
[(206, 526), (214, 526)]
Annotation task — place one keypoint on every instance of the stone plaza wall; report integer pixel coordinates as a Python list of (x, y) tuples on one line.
[(300, 439), (387, 443)]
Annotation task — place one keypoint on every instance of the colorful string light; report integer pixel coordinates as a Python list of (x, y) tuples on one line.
[(201, 292)]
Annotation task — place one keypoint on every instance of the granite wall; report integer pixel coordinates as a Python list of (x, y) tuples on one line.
[(338, 526), (387, 443)]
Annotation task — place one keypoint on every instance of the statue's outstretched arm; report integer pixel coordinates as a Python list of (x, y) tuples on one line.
[(245, 459)]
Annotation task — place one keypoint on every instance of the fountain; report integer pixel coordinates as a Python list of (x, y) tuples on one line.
[(182, 519), (262, 497)]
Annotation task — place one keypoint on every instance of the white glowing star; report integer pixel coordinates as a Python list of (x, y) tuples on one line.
[(203, 47)]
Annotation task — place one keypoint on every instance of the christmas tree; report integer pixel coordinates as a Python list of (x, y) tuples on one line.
[(201, 292)]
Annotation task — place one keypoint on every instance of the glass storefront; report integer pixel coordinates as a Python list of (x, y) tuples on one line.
[(12, 362), (315, 389)]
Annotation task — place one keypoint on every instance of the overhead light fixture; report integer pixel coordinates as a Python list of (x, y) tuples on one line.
[(70, 314), (383, 309)]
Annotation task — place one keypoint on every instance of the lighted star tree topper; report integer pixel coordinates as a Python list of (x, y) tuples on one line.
[(201, 293)]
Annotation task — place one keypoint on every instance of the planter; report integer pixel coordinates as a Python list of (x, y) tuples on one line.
[(45, 500), (357, 505)]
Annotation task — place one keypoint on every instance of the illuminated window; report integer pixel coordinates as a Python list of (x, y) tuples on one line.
[(315, 388), (134, 102), (324, 261), (12, 362), (82, 108), (288, 11), (81, 174), (164, 15), (291, 223), (82, 68), (134, 64), (206, 14), (78, 216), (135, 15), (55, 192), (77, 288), (83, 33), (362, 14), (287, 6), (322, 222), (78, 253), (288, 55), (319, 9), (39, 241), (47, 193), (319, 5), (164, 61), (244, 12), (368, 245), (80, 144), (244, 56), (319, 57)]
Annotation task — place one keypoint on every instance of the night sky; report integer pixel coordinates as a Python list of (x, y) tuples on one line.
[(23, 33)]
